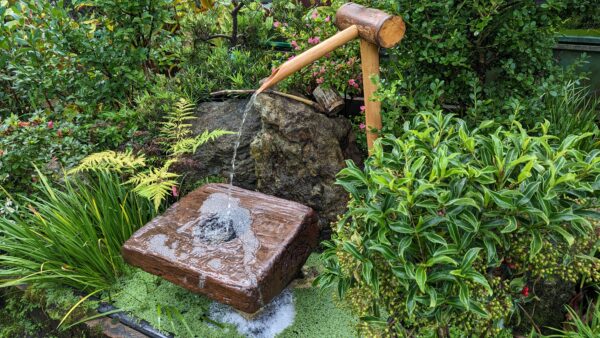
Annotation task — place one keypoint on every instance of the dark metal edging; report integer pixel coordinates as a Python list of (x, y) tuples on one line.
[(140, 326)]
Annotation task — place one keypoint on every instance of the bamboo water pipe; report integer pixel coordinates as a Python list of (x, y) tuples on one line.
[(375, 29)]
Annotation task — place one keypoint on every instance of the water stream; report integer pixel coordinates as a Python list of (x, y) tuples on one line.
[(235, 149)]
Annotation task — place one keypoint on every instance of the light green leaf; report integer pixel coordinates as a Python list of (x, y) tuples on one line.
[(465, 201), (564, 233), (510, 226), (435, 238), (464, 295), (536, 244), (421, 278)]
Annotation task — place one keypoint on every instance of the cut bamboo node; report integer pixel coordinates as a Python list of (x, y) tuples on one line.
[(375, 26)]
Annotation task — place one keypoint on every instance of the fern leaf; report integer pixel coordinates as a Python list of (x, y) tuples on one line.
[(154, 184), (190, 145), (207, 136), (110, 161), (176, 128)]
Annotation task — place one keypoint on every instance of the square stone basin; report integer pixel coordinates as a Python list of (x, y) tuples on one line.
[(246, 272)]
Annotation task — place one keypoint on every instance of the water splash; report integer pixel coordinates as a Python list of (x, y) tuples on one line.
[(235, 148), (271, 321)]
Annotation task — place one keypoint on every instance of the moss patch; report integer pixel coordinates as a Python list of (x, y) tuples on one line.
[(318, 316), (581, 32), (171, 308)]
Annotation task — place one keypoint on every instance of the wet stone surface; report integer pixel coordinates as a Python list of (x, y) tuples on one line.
[(243, 256), (214, 229)]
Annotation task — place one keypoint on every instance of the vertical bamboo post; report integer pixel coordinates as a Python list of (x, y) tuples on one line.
[(369, 55)]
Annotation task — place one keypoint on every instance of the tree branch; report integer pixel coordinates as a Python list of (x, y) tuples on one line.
[(234, 29), (230, 92)]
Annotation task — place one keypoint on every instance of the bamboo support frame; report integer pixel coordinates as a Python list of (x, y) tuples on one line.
[(375, 28), (369, 55)]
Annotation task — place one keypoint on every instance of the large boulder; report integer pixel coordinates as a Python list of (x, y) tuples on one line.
[(287, 149), (214, 158)]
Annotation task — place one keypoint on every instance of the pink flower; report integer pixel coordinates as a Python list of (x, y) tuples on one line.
[(174, 191), (295, 44), (315, 74), (320, 80), (276, 24), (353, 83), (327, 19), (314, 15), (362, 126), (362, 109), (314, 40), (50, 124)]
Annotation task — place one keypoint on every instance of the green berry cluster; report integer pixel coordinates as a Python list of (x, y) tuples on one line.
[(499, 307), (556, 259)]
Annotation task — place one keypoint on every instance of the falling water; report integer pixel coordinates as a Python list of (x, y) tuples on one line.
[(235, 149)]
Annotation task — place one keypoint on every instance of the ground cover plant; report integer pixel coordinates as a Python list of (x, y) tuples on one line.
[(178, 311), (450, 227)]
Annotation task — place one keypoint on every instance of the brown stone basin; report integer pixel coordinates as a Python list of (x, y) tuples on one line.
[(246, 272)]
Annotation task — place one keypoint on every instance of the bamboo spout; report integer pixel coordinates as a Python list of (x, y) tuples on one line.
[(310, 56)]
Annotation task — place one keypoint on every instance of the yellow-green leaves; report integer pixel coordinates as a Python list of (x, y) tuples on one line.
[(439, 209)]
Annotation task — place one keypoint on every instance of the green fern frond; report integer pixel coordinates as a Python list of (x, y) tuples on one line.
[(154, 184), (190, 145), (207, 136), (184, 146), (110, 161), (175, 127)]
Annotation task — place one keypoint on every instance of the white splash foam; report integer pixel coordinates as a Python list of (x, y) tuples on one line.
[(274, 318)]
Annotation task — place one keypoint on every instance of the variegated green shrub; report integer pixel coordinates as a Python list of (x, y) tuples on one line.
[(450, 229)]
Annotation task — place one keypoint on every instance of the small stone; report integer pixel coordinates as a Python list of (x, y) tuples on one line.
[(214, 229)]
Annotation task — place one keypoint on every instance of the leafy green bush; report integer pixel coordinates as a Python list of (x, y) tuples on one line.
[(485, 57), (227, 48), (39, 141), (451, 227), (72, 235), (56, 54), (582, 14)]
